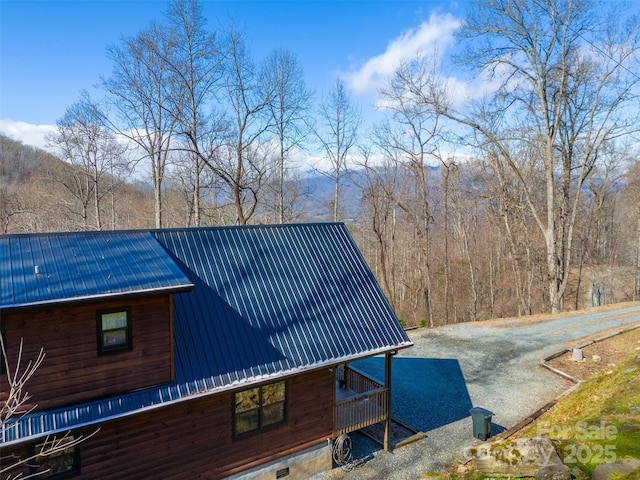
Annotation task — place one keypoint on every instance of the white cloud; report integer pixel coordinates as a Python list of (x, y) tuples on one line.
[(27, 133), (430, 37)]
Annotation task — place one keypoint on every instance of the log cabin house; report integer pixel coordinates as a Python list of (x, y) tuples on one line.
[(191, 353)]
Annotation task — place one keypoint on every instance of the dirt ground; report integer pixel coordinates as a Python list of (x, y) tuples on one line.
[(399, 432), (599, 356)]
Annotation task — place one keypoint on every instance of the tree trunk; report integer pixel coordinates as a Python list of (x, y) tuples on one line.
[(281, 200), (196, 190), (447, 295), (96, 200), (637, 290), (336, 196), (157, 200)]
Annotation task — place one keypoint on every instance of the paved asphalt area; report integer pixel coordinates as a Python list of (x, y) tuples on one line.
[(449, 370)]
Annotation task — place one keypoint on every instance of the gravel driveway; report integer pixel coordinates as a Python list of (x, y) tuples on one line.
[(495, 365)]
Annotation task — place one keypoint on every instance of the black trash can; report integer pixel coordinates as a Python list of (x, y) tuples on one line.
[(481, 422)]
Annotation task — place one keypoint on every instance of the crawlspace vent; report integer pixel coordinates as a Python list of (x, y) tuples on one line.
[(283, 472)]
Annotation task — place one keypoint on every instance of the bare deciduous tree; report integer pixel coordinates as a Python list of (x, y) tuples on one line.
[(378, 182), (631, 219), (83, 140), (337, 133), (139, 91), (194, 59), (411, 139), (289, 109), (566, 84), (10, 205), (15, 405), (242, 164)]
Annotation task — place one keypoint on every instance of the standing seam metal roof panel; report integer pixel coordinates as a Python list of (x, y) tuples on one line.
[(50, 268), (242, 293), (325, 294), (280, 319), (278, 297)]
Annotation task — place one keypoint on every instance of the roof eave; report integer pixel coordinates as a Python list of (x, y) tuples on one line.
[(214, 391), (174, 289)]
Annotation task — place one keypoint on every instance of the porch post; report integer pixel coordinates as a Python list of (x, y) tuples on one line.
[(387, 383)]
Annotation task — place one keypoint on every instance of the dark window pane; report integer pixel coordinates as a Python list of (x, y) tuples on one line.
[(272, 414), (114, 338), (248, 400), (273, 393), (114, 331), (259, 407), (247, 421), (56, 464)]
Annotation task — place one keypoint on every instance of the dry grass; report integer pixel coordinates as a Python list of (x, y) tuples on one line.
[(600, 421), (600, 356), (543, 317)]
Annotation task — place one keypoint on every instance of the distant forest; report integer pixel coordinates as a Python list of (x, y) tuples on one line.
[(482, 269), (523, 197)]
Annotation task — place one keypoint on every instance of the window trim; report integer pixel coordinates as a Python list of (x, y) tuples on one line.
[(261, 428), (128, 346), (56, 476)]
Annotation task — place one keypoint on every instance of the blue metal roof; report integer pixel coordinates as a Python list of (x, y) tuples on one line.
[(267, 302), (60, 267), (270, 299)]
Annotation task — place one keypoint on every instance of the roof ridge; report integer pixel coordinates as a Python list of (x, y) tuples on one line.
[(168, 229)]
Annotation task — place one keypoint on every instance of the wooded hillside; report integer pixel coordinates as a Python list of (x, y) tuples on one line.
[(479, 269), (521, 198)]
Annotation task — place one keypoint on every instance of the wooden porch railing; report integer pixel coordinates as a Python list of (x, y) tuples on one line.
[(356, 381), (369, 405)]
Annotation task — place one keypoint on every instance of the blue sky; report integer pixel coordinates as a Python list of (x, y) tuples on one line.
[(52, 49)]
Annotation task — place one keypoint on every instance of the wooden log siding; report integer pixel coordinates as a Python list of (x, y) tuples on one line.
[(72, 371), (193, 439)]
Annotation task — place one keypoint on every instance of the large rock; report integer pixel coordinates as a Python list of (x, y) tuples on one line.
[(622, 467), (522, 457), (554, 471)]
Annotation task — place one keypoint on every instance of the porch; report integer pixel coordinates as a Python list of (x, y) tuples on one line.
[(360, 402)]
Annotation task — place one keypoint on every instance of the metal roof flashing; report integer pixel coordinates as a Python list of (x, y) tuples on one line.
[(92, 298)]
